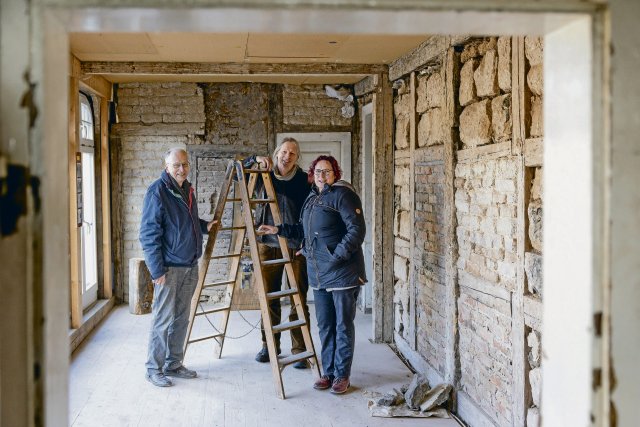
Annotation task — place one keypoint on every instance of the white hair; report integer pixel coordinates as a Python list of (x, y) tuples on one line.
[(171, 151), (279, 147)]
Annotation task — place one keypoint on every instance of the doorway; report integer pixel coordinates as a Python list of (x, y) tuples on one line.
[(364, 302)]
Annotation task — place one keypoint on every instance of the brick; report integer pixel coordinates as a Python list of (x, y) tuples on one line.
[(535, 224), (533, 270)]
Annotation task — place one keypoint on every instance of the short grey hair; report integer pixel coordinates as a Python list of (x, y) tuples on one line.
[(279, 147), (171, 151)]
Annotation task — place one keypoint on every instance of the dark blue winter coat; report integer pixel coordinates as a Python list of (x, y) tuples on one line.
[(170, 230), (333, 227)]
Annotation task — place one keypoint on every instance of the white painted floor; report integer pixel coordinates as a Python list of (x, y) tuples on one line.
[(108, 386)]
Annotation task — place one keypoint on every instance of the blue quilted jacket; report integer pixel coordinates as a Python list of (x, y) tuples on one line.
[(170, 230)]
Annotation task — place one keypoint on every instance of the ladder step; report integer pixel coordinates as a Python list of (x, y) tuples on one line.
[(213, 310), (233, 199), (294, 358), (224, 282), (289, 325), (226, 256), (257, 201), (208, 337), (239, 227), (275, 262), (257, 170), (280, 294)]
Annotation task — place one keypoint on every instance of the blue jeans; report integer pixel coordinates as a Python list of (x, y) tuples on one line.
[(171, 305), (335, 312)]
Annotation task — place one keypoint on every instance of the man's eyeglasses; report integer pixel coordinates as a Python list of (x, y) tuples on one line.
[(324, 172), (184, 165)]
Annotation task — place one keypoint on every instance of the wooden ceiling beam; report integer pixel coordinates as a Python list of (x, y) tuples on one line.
[(195, 68)]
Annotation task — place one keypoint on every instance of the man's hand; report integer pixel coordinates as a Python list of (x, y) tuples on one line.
[(267, 229), (160, 280), (211, 224), (264, 162)]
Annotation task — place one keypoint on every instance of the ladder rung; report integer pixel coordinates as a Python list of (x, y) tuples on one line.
[(233, 199), (257, 170), (226, 256), (275, 261), (220, 334), (224, 282), (280, 294), (239, 227), (256, 201), (213, 310), (289, 325), (294, 358)]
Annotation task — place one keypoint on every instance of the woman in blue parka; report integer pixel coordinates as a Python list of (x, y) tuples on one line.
[(333, 228)]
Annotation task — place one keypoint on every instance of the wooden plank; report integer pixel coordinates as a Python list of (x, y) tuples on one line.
[(520, 391), (533, 152), (74, 230), (412, 333), (452, 291), (383, 211), (366, 85), (98, 85), (107, 283), (428, 52), (195, 68), (75, 67), (498, 150)]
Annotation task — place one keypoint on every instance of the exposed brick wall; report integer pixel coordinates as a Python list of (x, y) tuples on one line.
[(485, 353), (213, 122), (430, 251), (237, 114), (308, 105)]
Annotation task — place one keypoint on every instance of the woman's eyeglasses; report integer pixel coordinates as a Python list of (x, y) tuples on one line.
[(325, 172)]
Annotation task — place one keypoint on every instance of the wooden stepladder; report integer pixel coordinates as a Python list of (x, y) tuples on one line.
[(237, 173)]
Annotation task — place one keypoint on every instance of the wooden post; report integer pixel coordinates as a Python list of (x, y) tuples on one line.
[(74, 230), (140, 287), (382, 124), (451, 253), (412, 335)]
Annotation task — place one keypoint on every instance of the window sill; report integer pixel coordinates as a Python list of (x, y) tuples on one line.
[(89, 321)]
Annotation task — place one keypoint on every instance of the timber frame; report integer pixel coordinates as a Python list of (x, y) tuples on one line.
[(83, 322), (578, 25)]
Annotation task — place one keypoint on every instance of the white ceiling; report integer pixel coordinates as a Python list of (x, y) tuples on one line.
[(242, 48)]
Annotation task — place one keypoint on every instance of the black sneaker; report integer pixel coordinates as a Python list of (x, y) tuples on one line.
[(180, 372), (301, 364), (159, 380), (263, 355)]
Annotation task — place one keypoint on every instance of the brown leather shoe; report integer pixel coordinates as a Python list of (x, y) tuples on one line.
[(323, 383), (340, 385)]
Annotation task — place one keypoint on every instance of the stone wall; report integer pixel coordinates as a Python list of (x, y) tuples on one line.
[(308, 106), (492, 236)]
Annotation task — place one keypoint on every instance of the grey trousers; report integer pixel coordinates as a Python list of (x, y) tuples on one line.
[(171, 304)]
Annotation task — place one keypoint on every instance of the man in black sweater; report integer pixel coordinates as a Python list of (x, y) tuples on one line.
[(292, 188)]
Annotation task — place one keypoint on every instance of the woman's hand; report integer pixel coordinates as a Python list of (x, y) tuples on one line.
[(211, 224), (267, 229), (264, 162)]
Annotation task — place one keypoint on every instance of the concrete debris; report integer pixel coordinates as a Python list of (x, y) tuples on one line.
[(436, 396), (391, 399), (416, 392), (414, 400), (403, 411)]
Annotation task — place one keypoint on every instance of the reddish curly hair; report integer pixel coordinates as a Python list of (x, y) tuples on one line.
[(337, 172)]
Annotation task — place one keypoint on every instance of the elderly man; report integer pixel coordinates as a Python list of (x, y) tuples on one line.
[(291, 185), (171, 237)]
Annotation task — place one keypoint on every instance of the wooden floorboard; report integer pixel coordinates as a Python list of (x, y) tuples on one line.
[(108, 386)]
